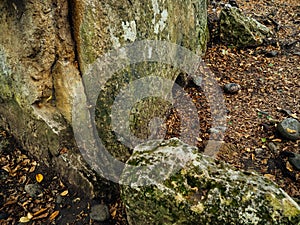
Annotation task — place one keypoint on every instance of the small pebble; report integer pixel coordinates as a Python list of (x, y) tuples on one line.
[(59, 199), (273, 147), (271, 54), (259, 151), (232, 88), (216, 130), (99, 213), (295, 161), (34, 190), (233, 3)]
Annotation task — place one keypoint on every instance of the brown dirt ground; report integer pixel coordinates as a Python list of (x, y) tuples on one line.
[(268, 84)]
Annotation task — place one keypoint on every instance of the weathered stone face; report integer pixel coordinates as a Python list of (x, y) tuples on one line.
[(47, 47), (105, 26), (170, 183), (38, 71), (239, 30)]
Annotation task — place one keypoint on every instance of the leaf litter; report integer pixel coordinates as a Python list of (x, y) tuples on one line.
[(269, 76)]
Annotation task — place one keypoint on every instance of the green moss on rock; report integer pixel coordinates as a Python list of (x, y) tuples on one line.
[(164, 187), (239, 30)]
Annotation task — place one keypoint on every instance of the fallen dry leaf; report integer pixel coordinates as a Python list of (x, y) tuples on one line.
[(291, 131), (53, 215), (64, 193), (40, 211), (289, 166), (41, 216), (26, 219), (39, 177), (270, 177)]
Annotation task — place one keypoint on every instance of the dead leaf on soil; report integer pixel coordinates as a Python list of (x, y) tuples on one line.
[(269, 176), (291, 131), (64, 193), (26, 219), (53, 215), (39, 177)]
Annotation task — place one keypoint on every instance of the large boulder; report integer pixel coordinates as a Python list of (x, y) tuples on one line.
[(169, 182), (49, 47), (101, 26), (239, 30)]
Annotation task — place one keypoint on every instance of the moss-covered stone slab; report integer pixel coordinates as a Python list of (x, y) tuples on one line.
[(171, 183), (239, 30), (103, 26)]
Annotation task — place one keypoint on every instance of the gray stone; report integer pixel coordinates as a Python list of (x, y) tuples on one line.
[(295, 160), (169, 182), (232, 88), (217, 130), (99, 213), (59, 199), (289, 128), (273, 147), (239, 30), (271, 54), (259, 151), (34, 190)]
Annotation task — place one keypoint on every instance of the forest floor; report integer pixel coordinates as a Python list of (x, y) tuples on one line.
[(270, 85)]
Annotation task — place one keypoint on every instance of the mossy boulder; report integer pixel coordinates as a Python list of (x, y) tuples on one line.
[(104, 26), (46, 49), (239, 30), (169, 182)]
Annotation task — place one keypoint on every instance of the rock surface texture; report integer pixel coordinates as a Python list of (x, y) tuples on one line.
[(48, 48), (289, 129), (171, 183), (239, 30)]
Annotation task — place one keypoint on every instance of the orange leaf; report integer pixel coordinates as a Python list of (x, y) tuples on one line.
[(64, 193), (39, 177), (270, 177), (40, 211), (291, 131), (53, 215)]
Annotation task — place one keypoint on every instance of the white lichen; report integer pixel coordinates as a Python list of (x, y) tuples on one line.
[(129, 29), (249, 216), (115, 40), (161, 24)]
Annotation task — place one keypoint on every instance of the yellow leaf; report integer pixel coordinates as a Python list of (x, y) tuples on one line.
[(24, 219), (265, 161), (64, 193), (39, 177), (53, 215), (289, 166), (29, 215), (114, 213), (270, 177), (277, 140), (294, 116), (290, 131), (199, 139)]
